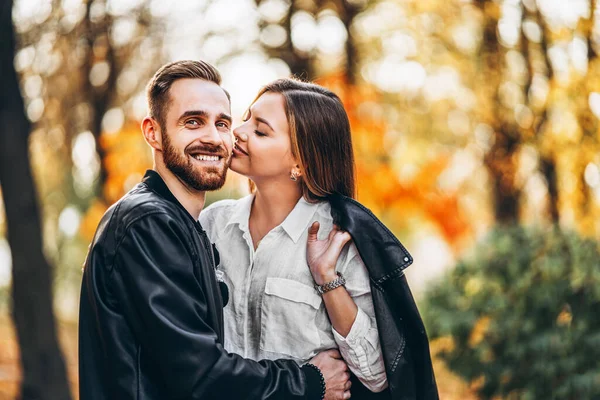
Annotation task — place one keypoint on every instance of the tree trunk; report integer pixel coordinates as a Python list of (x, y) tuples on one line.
[(500, 160), (299, 62), (347, 14), (502, 167), (548, 158), (548, 169), (44, 374), (99, 98)]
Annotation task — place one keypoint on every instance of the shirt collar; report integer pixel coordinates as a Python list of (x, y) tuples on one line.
[(294, 224), (241, 213), (155, 182), (299, 219)]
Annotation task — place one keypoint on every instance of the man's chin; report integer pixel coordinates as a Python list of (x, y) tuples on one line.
[(210, 186), (209, 182)]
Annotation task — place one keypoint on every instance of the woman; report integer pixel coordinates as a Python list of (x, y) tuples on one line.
[(295, 147)]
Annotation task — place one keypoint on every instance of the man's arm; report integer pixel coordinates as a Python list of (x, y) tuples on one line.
[(165, 305)]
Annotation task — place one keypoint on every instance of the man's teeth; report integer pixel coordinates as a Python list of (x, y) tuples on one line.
[(202, 157)]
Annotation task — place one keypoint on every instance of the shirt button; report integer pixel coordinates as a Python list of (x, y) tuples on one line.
[(405, 258)]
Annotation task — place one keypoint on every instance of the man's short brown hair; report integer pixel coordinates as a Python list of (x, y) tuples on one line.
[(157, 91)]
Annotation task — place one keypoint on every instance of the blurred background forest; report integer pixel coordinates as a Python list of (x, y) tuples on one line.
[(475, 126)]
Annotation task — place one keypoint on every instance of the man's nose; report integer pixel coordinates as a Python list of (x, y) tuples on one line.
[(211, 136)]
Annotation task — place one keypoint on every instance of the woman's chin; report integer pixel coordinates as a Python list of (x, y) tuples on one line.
[(236, 167)]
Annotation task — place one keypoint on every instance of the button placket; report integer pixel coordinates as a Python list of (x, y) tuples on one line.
[(251, 256)]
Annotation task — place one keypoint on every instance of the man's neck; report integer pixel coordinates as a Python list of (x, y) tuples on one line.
[(192, 200)]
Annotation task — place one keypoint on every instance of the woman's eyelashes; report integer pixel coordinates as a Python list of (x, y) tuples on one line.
[(259, 133)]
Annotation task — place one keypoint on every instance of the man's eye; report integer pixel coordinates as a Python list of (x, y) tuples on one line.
[(192, 122), (223, 125)]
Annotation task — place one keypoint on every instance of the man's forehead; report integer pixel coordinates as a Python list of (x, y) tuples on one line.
[(198, 94)]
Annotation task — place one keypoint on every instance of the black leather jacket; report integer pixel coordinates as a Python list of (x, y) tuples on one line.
[(402, 335), (151, 313)]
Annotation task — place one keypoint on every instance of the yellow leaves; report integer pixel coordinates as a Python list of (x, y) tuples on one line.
[(477, 383), (444, 344), (473, 286), (479, 331), (565, 317), (127, 157), (91, 219)]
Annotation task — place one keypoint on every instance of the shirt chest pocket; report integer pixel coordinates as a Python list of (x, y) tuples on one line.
[(288, 319)]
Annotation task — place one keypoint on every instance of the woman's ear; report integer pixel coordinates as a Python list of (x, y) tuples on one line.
[(297, 171), (152, 133)]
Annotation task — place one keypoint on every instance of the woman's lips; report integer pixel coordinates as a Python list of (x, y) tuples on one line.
[(239, 151)]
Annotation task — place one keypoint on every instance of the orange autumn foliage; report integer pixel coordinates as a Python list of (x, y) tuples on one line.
[(127, 157), (379, 185)]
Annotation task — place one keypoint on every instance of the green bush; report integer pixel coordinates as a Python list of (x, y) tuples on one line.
[(522, 314)]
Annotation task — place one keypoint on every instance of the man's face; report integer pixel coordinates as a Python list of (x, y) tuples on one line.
[(197, 138)]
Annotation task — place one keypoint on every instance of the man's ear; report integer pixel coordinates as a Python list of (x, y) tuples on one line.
[(152, 133)]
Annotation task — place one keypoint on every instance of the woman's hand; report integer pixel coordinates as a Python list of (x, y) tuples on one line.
[(322, 255)]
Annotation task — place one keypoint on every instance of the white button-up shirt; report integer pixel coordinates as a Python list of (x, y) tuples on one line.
[(274, 311)]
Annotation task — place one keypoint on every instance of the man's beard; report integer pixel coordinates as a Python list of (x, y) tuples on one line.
[(208, 178)]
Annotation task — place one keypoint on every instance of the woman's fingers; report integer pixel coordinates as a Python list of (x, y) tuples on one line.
[(313, 231), (339, 241)]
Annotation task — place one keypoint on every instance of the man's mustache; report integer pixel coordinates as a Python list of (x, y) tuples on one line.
[(208, 149)]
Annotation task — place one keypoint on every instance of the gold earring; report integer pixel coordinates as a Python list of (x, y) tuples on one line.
[(294, 176)]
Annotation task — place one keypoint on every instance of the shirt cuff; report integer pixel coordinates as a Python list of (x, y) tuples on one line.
[(360, 327), (314, 385)]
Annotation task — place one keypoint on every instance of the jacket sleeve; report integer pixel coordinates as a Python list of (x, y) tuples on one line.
[(361, 348), (165, 305)]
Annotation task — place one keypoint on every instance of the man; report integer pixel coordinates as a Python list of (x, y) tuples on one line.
[(151, 322)]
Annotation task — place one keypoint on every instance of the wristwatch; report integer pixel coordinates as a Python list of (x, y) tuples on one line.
[(336, 283)]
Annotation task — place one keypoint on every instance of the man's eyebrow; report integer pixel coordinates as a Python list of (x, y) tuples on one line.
[(264, 121), (204, 114), (194, 113), (226, 117)]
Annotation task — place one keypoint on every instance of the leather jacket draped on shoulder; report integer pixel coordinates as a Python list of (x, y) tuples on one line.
[(402, 334)]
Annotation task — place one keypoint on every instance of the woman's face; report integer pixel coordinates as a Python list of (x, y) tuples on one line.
[(263, 149)]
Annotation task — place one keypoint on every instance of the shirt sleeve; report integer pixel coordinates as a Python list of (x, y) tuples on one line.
[(168, 309), (361, 348)]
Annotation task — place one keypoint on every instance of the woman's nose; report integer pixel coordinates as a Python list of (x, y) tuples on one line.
[(239, 135)]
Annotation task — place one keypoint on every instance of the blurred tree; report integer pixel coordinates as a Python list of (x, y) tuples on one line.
[(44, 374), (298, 61), (518, 315), (500, 160), (83, 66)]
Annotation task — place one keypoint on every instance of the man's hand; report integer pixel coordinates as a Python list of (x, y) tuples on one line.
[(322, 255), (335, 372)]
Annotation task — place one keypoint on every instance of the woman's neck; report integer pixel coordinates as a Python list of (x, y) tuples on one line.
[(271, 206), (273, 203)]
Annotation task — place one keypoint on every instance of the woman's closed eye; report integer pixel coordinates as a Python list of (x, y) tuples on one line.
[(259, 133)]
